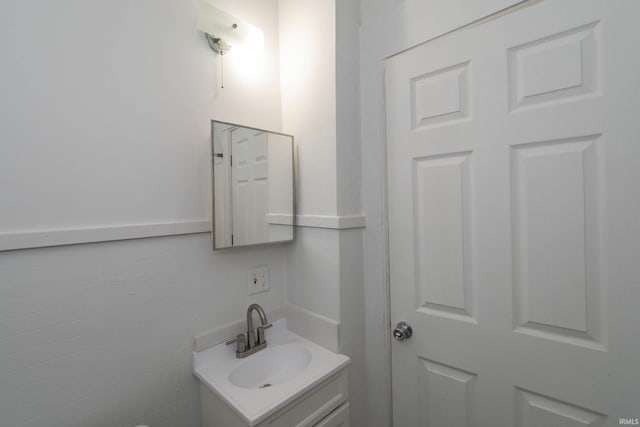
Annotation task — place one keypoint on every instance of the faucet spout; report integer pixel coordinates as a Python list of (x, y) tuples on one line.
[(251, 334), (261, 313), (251, 344)]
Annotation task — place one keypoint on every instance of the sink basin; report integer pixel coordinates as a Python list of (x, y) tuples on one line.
[(271, 366), (260, 384)]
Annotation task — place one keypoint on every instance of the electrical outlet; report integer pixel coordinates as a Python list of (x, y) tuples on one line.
[(258, 280)]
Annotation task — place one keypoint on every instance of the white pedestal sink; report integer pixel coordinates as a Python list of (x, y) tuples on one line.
[(261, 384)]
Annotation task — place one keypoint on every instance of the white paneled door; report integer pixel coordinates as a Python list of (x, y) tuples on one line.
[(514, 218)]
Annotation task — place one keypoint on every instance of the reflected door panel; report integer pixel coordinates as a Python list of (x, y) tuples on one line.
[(252, 185)]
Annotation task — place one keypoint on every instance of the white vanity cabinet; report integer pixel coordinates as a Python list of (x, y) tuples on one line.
[(291, 382), (325, 405)]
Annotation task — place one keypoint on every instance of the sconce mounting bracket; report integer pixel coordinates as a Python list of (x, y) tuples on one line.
[(217, 44)]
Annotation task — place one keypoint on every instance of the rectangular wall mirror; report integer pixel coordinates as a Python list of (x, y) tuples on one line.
[(253, 191)]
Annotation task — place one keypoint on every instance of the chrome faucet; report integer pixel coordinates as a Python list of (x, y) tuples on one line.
[(251, 345)]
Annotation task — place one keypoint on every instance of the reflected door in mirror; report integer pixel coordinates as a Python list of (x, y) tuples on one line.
[(253, 200)]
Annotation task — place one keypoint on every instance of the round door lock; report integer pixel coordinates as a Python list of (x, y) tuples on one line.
[(402, 331)]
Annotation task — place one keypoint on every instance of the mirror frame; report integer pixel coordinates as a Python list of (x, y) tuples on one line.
[(213, 187)]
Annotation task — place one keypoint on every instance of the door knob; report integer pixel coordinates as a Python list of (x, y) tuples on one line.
[(402, 331)]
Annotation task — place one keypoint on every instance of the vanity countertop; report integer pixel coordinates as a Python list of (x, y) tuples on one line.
[(257, 386)]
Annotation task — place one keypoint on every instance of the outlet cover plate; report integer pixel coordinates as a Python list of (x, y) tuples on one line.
[(258, 280)]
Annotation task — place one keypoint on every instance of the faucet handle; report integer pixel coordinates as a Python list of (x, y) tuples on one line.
[(240, 340), (261, 329)]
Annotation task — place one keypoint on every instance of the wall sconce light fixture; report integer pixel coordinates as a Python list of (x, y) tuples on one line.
[(221, 30)]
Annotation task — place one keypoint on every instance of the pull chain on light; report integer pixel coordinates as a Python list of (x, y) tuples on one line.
[(221, 70)]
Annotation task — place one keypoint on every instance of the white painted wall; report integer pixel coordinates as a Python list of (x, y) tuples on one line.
[(396, 26), (352, 320), (348, 160), (352, 323), (251, 94), (307, 62), (104, 120), (128, 88), (388, 28), (313, 271), (320, 106), (102, 334)]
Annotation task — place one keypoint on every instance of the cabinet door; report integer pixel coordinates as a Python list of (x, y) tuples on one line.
[(313, 407), (338, 418)]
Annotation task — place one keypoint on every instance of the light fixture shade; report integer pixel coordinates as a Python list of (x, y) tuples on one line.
[(219, 24)]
